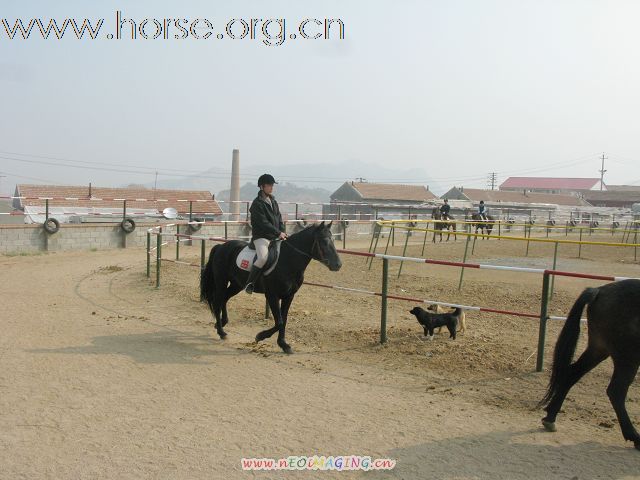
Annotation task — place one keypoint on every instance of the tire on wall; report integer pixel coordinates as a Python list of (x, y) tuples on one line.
[(194, 227), (51, 225), (128, 225)]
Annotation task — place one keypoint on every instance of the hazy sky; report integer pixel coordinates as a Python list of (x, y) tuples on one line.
[(459, 88)]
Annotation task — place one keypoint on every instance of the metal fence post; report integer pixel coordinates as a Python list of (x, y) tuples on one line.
[(404, 251), (580, 245), (553, 279), (466, 250), (383, 313), (202, 254), (543, 321), (148, 254), (177, 242), (158, 256)]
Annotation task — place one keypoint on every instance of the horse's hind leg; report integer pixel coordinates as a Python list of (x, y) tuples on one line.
[(624, 372), (587, 361), (284, 312), (274, 305), (232, 290), (219, 306)]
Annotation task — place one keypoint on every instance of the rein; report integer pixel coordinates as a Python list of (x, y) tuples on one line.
[(313, 246)]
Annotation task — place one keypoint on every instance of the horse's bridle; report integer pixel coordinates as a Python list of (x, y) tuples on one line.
[(316, 246)]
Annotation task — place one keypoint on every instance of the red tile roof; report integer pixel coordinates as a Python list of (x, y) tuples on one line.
[(550, 183), (390, 191), (69, 196)]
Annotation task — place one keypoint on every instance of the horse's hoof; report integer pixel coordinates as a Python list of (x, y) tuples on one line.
[(549, 426), (287, 350), (259, 338), (637, 445), (222, 335)]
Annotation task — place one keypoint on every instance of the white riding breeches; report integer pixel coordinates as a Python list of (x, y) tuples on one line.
[(262, 249)]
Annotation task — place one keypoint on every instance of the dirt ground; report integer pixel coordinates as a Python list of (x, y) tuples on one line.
[(104, 376)]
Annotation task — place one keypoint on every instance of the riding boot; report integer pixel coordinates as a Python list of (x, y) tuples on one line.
[(254, 275)]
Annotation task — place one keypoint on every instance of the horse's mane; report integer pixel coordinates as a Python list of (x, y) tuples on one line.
[(304, 234)]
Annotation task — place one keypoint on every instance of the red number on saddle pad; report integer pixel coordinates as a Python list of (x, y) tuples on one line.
[(244, 263)]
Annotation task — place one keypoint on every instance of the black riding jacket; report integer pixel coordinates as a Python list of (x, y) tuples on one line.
[(444, 209), (266, 221)]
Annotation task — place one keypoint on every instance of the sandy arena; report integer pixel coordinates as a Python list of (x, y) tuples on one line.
[(105, 376)]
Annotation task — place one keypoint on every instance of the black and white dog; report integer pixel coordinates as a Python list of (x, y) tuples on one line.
[(431, 321)]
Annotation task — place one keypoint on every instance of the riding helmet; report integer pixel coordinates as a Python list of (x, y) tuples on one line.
[(266, 179)]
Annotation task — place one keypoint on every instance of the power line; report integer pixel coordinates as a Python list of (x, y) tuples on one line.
[(171, 172)]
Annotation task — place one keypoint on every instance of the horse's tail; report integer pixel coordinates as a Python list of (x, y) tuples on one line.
[(566, 345), (207, 281)]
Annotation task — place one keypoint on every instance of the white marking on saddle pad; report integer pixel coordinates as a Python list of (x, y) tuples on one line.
[(245, 259)]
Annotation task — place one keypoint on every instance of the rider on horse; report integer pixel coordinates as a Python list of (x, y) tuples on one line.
[(482, 211), (266, 225), (444, 210)]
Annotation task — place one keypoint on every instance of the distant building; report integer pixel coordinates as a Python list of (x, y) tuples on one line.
[(368, 199), (618, 196), (91, 204), (551, 184), (503, 202)]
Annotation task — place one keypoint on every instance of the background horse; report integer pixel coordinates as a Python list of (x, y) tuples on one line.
[(482, 224), (221, 279), (614, 330), (440, 225)]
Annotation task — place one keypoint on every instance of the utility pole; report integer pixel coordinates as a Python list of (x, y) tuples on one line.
[(155, 186), (602, 170), (491, 182)]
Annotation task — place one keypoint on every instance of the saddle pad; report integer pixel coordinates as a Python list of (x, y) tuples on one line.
[(247, 256)]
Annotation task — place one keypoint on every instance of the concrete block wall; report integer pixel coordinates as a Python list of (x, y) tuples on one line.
[(15, 239)]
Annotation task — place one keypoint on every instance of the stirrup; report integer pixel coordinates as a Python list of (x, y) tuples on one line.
[(249, 288)]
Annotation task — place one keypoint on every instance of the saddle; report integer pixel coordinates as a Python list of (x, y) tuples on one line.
[(246, 257)]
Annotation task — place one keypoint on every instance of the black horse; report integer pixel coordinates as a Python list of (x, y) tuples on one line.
[(614, 331), (482, 224), (439, 225), (221, 279)]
